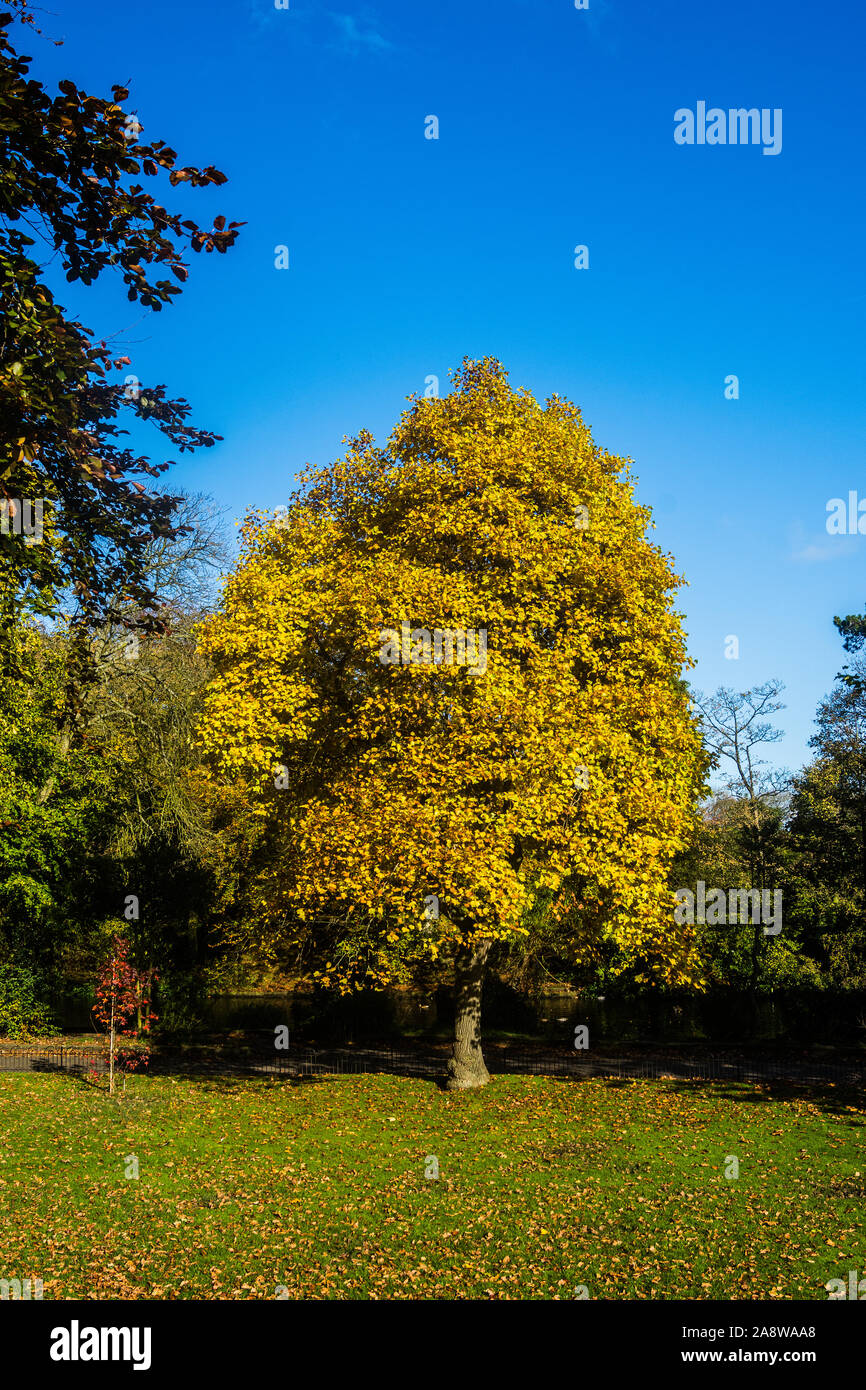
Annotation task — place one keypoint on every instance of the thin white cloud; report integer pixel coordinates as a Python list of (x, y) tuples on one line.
[(824, 548), (357, 33), (351, 33), (812, 554)]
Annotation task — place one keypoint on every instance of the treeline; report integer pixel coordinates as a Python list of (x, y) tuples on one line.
[(798, 839), (108, 823), (112, 823)]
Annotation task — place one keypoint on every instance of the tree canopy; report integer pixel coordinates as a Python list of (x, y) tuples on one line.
[(71, 198), (560, 765)]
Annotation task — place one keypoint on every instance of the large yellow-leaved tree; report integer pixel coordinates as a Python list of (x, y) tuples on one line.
[(450, 675)]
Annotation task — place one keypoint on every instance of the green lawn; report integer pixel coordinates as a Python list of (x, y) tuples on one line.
[(320, 1186)]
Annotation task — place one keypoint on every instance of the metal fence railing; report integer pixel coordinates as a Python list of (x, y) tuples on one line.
[(396, 1061), (68, 1059), (358, 1060)]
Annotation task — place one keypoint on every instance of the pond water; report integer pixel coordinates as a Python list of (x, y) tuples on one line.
[(552, 1015)]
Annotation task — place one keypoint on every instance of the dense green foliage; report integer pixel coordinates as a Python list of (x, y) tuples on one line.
[(22, 1012)]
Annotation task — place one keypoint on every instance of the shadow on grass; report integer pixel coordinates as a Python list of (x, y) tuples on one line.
[(81, 1074), (829, 1098), (224, 1085), (832, 1098), (224, 1070)]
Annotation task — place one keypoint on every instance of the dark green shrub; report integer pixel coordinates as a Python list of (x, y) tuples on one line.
[(23, 1012)]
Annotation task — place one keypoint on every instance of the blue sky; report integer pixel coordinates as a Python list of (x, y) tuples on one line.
[(555, 129)]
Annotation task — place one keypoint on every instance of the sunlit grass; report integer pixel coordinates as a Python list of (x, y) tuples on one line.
[(319, 1187)]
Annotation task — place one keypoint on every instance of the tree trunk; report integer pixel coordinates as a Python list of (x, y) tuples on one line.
[(111, 1052), (466, 1068)]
